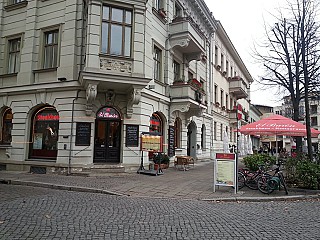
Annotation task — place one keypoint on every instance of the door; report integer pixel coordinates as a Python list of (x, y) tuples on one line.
[(192, 140), (107, 141)]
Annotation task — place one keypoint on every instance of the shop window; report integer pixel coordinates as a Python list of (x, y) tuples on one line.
[(6, 127), (177, 134), (156, 124), (44, 134)]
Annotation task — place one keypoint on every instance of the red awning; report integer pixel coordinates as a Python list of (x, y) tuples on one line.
[(277, 125)]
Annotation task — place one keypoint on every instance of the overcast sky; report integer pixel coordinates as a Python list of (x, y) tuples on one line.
[(243, 20)]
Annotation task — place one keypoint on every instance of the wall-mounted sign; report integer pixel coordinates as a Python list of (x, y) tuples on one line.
[(132, 135), (47, 117), (171, 145), (83, 134), (108, 113)]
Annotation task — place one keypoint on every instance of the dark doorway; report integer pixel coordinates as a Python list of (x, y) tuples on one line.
[(107, 136)]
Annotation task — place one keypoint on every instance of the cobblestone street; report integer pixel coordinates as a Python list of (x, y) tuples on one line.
[(39, 213)]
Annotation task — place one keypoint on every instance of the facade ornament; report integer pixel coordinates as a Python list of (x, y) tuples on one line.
[(180, 107), (91, 93), (182, 42), (134, 97)]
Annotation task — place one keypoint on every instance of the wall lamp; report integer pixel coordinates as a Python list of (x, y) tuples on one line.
[(62, 79)]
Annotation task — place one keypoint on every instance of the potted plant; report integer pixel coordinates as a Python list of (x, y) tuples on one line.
[(162, 12), (162, 160)]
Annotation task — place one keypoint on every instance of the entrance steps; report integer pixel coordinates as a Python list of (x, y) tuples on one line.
[(105, 169)]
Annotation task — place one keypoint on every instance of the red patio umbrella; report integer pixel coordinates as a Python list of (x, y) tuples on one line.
[(277, 125)]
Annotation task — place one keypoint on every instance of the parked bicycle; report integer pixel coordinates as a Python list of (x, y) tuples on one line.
[(251, 177), (267, 183)]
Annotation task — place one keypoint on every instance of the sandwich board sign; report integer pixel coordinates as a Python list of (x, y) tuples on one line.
[(224, 170)]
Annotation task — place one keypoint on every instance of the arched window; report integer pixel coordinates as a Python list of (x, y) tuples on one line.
[(44, 134), (177, 133), (156, 124), (203, 136), (6, 126)]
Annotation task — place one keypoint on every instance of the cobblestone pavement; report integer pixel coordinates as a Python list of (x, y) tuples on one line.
[(39, 213), (197, 183)]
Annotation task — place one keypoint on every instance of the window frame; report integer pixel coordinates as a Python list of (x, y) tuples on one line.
[(176, 71), (157, 63), (16, 69), (43, 39), (124, 25)]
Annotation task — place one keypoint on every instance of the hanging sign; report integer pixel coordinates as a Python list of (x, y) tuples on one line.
[(151, 143), (171, 145)]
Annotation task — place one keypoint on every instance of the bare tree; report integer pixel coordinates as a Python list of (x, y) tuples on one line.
[(292, 58)]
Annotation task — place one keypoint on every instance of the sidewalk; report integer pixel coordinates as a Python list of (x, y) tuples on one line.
[(196, 184)]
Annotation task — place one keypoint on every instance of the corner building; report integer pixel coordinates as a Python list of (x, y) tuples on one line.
[(81, 80)]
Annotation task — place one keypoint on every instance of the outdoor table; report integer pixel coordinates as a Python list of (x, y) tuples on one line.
[(183, 162)]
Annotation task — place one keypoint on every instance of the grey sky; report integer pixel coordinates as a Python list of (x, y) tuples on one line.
[(244, 23)]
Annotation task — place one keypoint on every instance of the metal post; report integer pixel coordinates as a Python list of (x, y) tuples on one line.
[(237, 153)]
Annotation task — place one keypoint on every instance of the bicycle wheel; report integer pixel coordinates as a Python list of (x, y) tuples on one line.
[(263, 185), (241, 180), (283, 183), (251, 182)]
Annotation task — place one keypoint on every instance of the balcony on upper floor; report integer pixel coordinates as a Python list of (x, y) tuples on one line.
[(188, 98), (186, 37), (238, 87)]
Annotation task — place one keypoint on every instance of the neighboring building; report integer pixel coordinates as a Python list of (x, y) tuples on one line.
[(82, 80), (255, 115), (286, 109)]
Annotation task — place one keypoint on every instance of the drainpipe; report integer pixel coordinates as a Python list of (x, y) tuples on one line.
[(71, 134)]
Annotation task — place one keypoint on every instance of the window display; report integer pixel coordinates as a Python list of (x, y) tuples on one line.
[(45, 134)]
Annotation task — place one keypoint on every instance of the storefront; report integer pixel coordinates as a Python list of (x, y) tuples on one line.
[(107, 136), (44, 134)]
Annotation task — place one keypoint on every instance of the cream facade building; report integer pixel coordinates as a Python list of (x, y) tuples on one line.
[(82, 81)]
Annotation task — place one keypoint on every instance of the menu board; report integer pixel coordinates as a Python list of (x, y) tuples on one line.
[(171, 145), (132, 135), (83, 134), (225, 169)]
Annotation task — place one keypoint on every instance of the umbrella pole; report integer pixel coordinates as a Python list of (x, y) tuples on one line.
[(276, 149)]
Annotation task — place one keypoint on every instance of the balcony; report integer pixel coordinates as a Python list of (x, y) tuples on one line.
[(243, 116), (187, 98), (186, 37), (238, 87)]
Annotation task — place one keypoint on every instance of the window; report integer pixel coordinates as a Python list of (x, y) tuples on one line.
[(216, 55), (178, 10), (156, 124), (14, 55), (177, 134), (44, 134), (50, 49), (221, 132), (176, 71), (222, 62), (157, 63), (231, 71), (227, 68), (116, 31), (6, 126), (158, 4), (203, 136), (215, 93), (227, 100), (215, 130), (231, 129), (221, 96), (314, 121), (314, 109)]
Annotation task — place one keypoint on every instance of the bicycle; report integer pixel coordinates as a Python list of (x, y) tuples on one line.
[(251, 177), (268, 183)]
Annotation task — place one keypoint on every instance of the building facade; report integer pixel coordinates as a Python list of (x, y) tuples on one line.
[(82, 81)]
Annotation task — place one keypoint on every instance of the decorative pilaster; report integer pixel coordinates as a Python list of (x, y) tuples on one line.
[(134, 97), (91, 93)]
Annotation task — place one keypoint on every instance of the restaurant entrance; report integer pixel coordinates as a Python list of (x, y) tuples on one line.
[(107, 136)]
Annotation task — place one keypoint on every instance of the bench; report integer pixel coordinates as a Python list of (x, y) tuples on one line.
[(183, 162)]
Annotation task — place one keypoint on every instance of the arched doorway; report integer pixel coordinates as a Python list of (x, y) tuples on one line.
[(192, 140), (44, 134), (107, 136)]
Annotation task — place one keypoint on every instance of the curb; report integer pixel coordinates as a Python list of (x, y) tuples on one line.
[(61, 187)]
